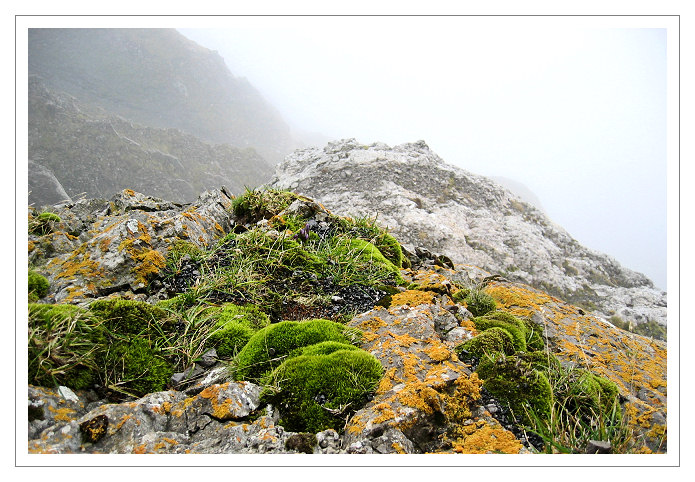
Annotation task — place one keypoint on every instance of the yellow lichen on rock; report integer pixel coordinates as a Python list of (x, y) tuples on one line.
[(412, 298)]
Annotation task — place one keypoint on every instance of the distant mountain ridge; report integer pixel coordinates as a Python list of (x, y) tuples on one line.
[(426, 202), (77, 149), (159, 78)]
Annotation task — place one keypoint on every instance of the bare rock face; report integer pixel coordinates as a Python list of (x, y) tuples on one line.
[(469, 218)]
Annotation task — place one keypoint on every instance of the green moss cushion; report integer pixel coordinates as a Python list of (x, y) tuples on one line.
[(268, 348), (589, 396), (135, 367), (490, 341), (514, 326), (38, 286), (517, 383), (128, 316), (234, 328), (479, 302), (319, 391), (61, 346)]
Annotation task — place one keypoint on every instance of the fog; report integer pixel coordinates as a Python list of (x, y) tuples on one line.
[(574, 110)]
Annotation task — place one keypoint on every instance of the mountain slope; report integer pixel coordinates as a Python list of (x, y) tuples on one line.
[(471, 219), (88, 151), (159, 78)]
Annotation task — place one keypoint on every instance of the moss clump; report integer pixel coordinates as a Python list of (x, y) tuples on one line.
[(38, 286), (479, 303), (43, 223), (318, 392), (136, 367), (526, 390), (363, 252), (235, 327), (511, 324), (390, 248), (254, 205), (490, 341), (324, 348), (128, 316), (588, 396), (62, 343), (270, 346)]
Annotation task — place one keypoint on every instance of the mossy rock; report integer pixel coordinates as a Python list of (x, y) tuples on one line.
[(319, 391), (323, 348), (38, 286), (234, 328), (390, 248), (589, 396), (42, 224), (459, 296), (278, 252), (128, 316), (135, 367), (254, 205), (61, 346), (363, 252), (534, 336), (514, 381), (479, 303), (511, 324), (268, 348), (493, 340)]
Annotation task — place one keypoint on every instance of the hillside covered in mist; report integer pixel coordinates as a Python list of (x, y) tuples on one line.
[(147, 108)]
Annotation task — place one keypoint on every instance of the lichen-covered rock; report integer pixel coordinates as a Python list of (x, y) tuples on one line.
[(426, 393), (636, 364), (213, 422), (120, 246)]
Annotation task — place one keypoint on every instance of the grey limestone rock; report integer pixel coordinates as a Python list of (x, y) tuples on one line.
[(469, 218)]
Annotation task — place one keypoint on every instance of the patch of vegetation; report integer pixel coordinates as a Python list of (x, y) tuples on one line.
[(479, 303), (269, 347), (291, 266), (492, 340), (63, 341), (515, 380), (255, 205), (234, 328), (38, 286), (136, 366), (316, 391), (43, 223), (564, 406)]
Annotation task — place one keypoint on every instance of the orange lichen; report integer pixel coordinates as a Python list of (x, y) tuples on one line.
[(398, 448), (62, 414), (482, 438), (140, 449), (437, 352), (412, 298)]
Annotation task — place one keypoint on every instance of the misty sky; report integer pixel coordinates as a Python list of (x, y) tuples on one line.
[(574, 110)]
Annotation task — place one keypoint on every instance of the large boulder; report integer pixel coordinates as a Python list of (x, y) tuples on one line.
[(120, 246)]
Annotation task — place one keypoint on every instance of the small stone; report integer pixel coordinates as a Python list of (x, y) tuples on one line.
[(68, 394), (598, 447)]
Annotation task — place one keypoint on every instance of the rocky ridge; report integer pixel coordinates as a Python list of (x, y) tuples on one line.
[(77, 150), (424, 201), (158, 78), (430, 398)]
